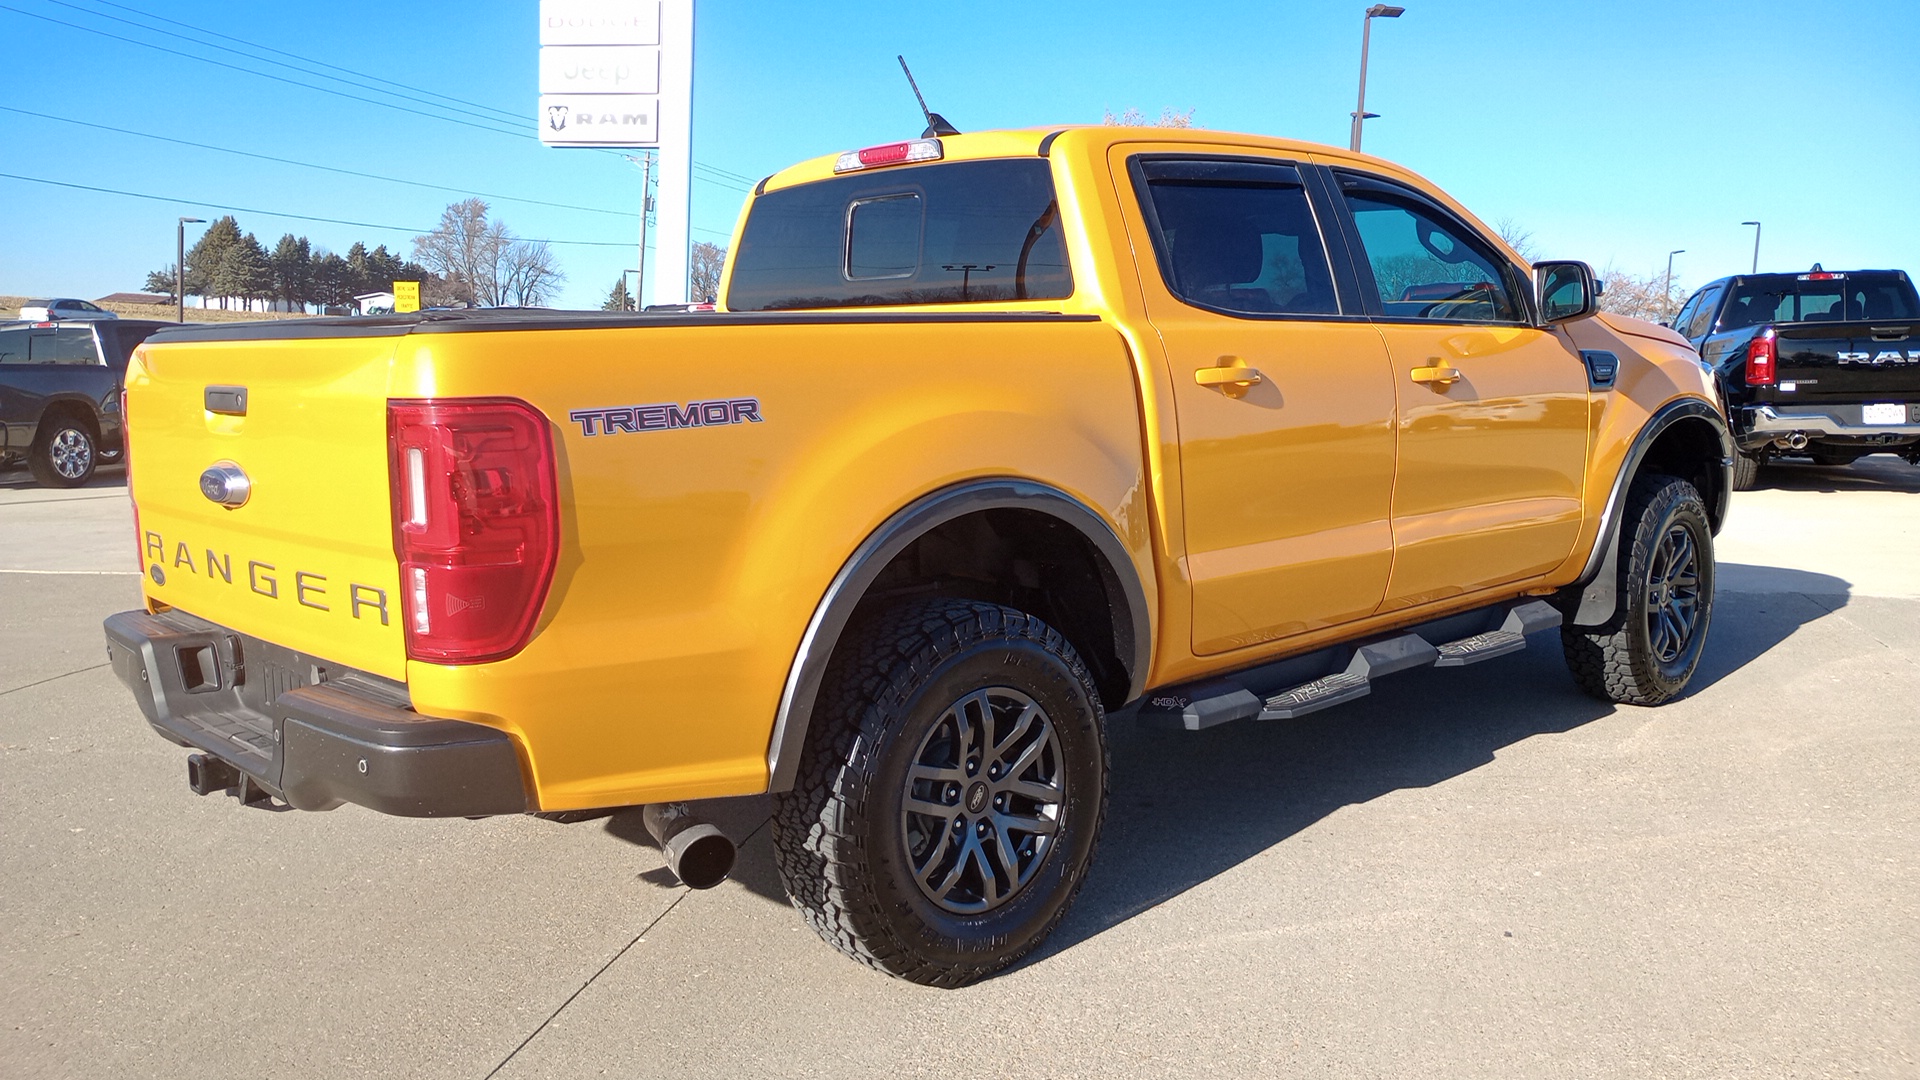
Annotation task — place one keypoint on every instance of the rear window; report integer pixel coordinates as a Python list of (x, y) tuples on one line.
[(953, 233), (1802, 298)]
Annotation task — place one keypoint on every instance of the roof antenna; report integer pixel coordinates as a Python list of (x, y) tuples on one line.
[(936, 124)]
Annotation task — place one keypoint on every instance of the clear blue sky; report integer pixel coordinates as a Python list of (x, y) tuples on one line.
[(1614, 130)]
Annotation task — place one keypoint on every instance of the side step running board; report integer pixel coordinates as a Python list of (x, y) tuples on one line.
[(1306, 684)]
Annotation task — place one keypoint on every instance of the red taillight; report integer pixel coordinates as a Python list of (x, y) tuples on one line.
[(1761, 357), (476, 524)]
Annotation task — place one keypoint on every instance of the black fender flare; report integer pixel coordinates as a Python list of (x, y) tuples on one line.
[(1133, 634), (1594, 596)]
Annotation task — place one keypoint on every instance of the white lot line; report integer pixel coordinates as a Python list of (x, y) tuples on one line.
[(80, 573)]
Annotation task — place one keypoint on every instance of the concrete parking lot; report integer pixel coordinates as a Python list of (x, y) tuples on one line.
[(1470, 873)]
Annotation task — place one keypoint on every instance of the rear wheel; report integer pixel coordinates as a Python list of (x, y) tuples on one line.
[(1648, 652), (63, 454), (952, 793), (1746, 471)]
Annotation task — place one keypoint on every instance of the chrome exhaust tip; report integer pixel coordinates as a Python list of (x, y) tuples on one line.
[(699, 854)]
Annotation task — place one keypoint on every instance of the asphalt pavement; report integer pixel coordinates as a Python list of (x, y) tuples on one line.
[(1471, 873)]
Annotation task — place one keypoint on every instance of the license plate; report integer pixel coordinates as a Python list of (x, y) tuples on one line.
[(1883, 414)]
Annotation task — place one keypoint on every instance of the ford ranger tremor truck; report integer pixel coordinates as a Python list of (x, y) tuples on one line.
[(996, 435), (1821, 364)]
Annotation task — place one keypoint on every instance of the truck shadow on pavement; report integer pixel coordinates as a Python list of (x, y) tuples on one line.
[(1879, 472), (1188, 806), (20, 478)]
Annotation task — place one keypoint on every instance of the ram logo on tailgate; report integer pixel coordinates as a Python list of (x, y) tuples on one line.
[(1886, 356)]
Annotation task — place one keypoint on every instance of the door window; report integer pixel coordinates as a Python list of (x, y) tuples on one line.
[(64, 345), (1236, 236), (1699, 321), (1424, 266)]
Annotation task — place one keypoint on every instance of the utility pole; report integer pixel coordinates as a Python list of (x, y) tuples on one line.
[(1756, 246), (645, 161), (1360, 113), (1666, 291), (180, 263)]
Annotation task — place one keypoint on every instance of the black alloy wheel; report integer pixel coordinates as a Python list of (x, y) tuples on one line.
[(952, 792), (1647, 652)]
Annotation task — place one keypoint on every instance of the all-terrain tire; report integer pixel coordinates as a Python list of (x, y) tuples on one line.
[(1640, 656), (852, 848), (1746, 471), (64, 453)]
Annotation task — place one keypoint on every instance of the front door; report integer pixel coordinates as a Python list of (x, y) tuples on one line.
[(1492, 409), (1283, 394)]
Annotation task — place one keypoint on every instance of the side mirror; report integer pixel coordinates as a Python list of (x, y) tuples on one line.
[(1567, 290)]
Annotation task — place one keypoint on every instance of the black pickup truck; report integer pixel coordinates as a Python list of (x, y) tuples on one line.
[(60, 394), (1822, 364)]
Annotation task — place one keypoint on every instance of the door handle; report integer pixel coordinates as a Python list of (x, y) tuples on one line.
[(1440, 376), (1241, 377)]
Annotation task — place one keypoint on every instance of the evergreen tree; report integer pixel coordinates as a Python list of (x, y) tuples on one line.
[(333, 284), (207, 254), (162, 281), (618, 299), (292, 265)]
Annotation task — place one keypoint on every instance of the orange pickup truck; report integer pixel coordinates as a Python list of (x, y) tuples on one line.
[(997, 436)]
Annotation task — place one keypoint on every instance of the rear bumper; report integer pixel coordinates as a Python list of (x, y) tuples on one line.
[(1761, 425), (311, 733)]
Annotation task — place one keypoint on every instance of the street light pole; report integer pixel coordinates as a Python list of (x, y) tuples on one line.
[(1666, 291), (1756, 245), (180, 263), (1360, 113)]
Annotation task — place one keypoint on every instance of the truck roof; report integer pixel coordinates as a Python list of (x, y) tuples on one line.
[(1084, 138)]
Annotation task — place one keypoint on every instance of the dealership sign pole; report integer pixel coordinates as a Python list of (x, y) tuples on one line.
[(619, 73)]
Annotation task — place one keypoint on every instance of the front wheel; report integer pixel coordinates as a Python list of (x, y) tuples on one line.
[(952, 793), (64, 455), (1648, 652)]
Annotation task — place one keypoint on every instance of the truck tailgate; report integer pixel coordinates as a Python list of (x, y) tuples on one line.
[(307, 561), (1848, 362)]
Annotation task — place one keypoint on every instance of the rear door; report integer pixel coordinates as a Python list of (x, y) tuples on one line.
[(1282, 390), (1492, 411)]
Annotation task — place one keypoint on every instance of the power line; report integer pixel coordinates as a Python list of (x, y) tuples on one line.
[(304, 217), (717, 176), (262, 59), (309, 59), (262, 74), (313, 165)]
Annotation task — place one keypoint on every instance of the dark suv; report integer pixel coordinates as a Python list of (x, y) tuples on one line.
[(60, 394)]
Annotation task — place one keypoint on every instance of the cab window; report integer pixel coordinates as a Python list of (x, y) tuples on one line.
[(1236, 236), (70, 345), (1424, 265)]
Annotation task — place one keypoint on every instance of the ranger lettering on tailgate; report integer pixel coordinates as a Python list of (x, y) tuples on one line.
[(309, 589)]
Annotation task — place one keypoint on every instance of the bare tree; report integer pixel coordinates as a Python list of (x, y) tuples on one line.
[(527, 275), (1652, 297), (703, 272), (1132, 117), (471, 251), (1518, 237)]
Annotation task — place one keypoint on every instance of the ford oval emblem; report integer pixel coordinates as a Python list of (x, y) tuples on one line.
[(227, 484)]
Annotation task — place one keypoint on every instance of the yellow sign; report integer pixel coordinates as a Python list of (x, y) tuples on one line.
[(406, 296)]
